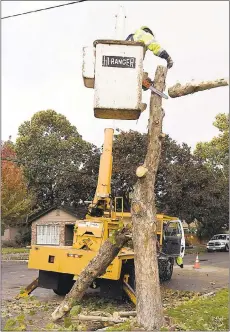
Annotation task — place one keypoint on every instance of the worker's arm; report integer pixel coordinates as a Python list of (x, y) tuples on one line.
[(157, 50), (152, 45)]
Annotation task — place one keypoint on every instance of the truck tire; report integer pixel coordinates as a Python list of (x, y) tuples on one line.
[(165, 267), (61, 291), (65, 284), (227, 248)]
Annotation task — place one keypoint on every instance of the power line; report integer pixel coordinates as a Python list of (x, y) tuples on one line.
[(41, 9)]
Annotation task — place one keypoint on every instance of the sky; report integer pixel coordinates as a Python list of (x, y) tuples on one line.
[(41, 62)]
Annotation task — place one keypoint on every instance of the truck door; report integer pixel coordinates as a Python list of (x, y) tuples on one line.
[(173, 239)]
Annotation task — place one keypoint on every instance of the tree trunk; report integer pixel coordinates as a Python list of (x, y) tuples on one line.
[(179, 90), (96, 267), (149, 305)]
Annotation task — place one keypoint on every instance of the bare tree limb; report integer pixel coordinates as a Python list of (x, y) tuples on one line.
[(126, 313), (99, 319), (179, 90)]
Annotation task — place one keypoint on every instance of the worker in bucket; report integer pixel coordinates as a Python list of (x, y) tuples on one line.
[(146, 36)]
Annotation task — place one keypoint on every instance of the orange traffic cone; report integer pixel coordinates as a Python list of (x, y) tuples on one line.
[(197, 263)]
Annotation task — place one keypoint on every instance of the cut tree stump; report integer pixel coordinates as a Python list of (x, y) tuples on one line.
[(149, 305), (96, 267), (179, 90)]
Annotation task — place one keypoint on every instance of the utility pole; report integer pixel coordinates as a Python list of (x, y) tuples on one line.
[(119, 34), (120, 24)]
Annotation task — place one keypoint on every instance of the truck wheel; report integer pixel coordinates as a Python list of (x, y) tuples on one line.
[(64, 285), (60, 291), (227, 248), (165, 269)]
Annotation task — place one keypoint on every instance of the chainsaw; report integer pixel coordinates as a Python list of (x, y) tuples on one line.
[(148, 84)]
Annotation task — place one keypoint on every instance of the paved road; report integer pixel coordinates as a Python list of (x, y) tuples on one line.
[(215, 259), (214, 273)]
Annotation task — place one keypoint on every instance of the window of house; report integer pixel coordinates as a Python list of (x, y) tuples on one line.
[(48, 234)]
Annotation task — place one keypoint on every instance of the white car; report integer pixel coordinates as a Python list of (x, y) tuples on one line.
[(218, 242)]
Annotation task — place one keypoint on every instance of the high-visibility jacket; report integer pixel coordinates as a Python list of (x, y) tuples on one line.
[(150, 43), (179, 261)]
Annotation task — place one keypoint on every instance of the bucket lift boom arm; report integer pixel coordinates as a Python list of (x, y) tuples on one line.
[(102, 197)]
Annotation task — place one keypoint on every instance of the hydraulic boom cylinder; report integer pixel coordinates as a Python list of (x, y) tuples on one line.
[(103, 190)]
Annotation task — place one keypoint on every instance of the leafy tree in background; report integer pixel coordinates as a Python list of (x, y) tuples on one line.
[(173, 181), (56, 159), (63, 168), (185, 186), (215, 156), (16, 203), (215, 153), (129, 150)]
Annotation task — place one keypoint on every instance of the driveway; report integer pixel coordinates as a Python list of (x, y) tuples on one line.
[(215, 259), (214, 273)]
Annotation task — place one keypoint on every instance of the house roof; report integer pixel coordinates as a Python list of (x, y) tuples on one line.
[(78, 213), (192, 224), (184, 224)]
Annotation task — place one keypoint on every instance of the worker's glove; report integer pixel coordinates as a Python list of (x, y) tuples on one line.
[(169, 62)]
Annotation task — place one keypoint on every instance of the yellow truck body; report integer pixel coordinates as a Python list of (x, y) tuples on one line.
[(89, 235)]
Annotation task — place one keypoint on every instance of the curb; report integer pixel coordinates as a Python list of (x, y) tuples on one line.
[(14, 260), (204, 268)]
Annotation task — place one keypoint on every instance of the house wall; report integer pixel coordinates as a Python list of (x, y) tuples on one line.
[(55, 217), (10, 234)]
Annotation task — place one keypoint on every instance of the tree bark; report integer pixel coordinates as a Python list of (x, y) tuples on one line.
[(96, 267), (126, 313), (179, 90), (149, 305)]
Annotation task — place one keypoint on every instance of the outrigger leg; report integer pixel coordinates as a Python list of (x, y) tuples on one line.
[(128, 289), (29, 289)]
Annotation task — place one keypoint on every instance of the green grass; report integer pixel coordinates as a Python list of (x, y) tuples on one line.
[(14, 251), (202, 314), (126, 326)]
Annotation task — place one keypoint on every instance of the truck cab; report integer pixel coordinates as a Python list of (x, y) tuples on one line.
[(173, 238)]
